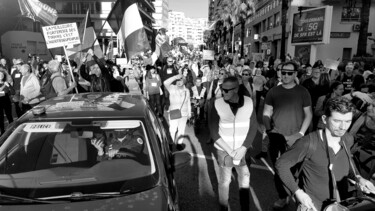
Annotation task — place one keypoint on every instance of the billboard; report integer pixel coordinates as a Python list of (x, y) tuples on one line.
[(312, 26)]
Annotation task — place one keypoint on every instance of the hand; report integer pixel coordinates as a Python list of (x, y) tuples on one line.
[(179, 76), (239, 153), (6, 84), (112, 152), (305, 199), (366, 186), (98, 144), (91, 52), (73, 84), (293, 138), (83, 60), (363, 96)]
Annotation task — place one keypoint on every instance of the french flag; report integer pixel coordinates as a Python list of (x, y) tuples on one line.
[(125, 18)]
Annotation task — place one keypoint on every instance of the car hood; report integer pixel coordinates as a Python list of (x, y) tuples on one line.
[(153, 199)]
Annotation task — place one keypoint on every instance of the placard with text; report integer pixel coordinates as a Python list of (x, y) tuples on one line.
[(61, 35)]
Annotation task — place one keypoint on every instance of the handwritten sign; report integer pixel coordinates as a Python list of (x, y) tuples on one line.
[(208, 55), (61, 35)]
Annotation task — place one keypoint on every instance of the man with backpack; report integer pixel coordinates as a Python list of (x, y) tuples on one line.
[(53, 84), (325, 161)]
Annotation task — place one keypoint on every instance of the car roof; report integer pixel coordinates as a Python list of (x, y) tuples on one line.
[(91, 105)]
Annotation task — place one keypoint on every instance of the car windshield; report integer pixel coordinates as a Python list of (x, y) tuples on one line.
[(97, 156)]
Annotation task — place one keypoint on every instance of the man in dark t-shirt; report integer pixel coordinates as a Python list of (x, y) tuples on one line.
[(286, 116), (347, 78)]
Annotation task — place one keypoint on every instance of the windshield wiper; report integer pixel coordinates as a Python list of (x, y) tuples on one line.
[(79, 195), (28, 199)]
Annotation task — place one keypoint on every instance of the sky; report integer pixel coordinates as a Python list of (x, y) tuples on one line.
[(191, 8)]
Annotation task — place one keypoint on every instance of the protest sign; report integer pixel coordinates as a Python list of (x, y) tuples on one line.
[(208, 55), (122, 61), (331, 64), (257, 57), (61, 35)]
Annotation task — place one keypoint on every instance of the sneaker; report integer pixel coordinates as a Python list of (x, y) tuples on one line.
[(261, 155), (281, 203)]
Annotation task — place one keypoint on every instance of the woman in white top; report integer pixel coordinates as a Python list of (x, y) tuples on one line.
[(179, 97), (30, 88)]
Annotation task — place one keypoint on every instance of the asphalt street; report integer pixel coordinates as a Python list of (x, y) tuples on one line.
[(198, 184)]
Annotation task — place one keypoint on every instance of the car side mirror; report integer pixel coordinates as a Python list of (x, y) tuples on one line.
[(180, 159)]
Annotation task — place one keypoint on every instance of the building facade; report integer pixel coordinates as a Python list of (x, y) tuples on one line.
[(161, 14), (263, 30), (190, 29)]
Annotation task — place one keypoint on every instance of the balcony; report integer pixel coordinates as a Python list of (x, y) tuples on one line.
[(149, 4)]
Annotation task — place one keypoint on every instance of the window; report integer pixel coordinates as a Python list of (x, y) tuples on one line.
[(351, 14), (270, 22), (248, 32), (277, 19), (346, 54), (264, 25)]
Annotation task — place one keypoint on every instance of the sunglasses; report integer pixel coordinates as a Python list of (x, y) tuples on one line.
[(245, 74), (227, 90), (222, 73), (289, 73), (170, 61)]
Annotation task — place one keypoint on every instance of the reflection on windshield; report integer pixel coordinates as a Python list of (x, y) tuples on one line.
[(50, 153)]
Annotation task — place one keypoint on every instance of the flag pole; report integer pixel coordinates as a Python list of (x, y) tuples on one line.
[(96, 38), (70, 68)]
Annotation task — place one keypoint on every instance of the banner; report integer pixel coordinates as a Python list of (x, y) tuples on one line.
[(61, 35), (38, 11)]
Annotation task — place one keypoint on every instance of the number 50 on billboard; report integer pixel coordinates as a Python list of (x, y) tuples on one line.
[(312, 26)]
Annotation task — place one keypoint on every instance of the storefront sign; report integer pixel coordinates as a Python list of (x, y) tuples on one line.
[(340, 34), (312, 26)]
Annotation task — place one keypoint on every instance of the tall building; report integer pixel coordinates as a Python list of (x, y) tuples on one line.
[(190, 29), (161, 14)]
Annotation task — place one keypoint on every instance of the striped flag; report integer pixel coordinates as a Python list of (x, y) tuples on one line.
[(38, 11), (125, 18), (88, 40)]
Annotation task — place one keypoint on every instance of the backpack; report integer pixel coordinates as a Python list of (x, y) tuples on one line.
[(46, 88)]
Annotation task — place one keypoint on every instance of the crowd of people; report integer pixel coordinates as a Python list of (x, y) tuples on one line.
[(227, 93)]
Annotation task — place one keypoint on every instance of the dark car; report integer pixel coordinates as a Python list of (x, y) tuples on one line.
[(91, 151)]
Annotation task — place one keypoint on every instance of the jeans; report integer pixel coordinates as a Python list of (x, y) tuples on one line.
[(224, 180), (177, 125), (155, 103), (276, 148)]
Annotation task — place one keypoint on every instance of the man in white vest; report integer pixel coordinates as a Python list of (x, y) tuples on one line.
[(233, 126)]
